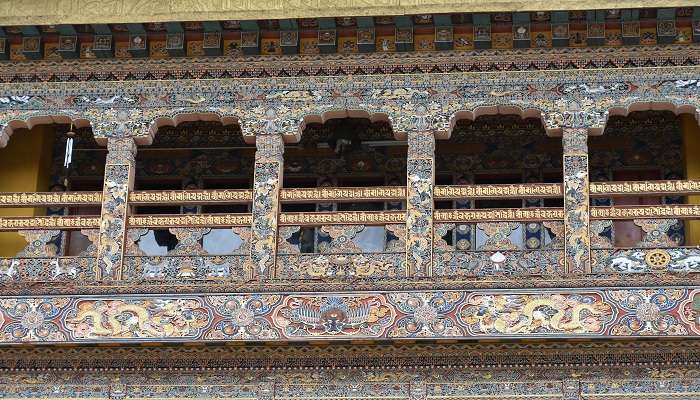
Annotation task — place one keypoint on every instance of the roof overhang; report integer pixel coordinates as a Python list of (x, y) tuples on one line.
[(53, 12)]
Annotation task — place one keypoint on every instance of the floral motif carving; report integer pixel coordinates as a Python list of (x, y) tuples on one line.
[(426, 314), (656, 232), (243, 317), (93, 236), (498, 235)]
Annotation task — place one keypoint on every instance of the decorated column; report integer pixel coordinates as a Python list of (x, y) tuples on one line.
[(118, 181), (266, 188), (577, 247), (419, 204)]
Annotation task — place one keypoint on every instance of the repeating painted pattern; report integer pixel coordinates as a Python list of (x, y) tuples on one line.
[(309, 316)]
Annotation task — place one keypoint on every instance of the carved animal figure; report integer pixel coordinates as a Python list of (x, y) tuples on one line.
[(687, 264), (186, 271), (67, 270), (9, 270), (530, 316), (129, 320), (219, 270), (624, 264), (153, 271)]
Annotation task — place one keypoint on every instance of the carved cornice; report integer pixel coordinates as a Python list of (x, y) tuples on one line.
[(555, 354), (504, 60), (411, 102)]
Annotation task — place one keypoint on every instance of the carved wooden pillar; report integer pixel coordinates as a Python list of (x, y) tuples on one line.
[(118, 181), (419, 204), (269, 164), (577, 247)]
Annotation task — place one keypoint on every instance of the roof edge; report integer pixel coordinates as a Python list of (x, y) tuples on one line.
[(53, 12)]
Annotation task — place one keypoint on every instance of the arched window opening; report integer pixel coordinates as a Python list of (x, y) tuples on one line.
[(500, 150), (38, 160), (194, 156), (643, 146), (351, 153)]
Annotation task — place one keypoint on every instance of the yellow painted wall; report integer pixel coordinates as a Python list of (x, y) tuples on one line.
[(25, 165), (691, 149)]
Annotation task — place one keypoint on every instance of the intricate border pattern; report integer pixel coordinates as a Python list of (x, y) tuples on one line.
[(422, 314)]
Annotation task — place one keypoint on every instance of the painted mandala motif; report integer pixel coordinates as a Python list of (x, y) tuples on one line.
[(538, 314), (427, 314), (334, 316), (31, 320), (648, 312), (244, 317)]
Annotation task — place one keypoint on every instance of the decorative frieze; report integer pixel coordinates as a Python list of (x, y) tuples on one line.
[(677, 187), (342, 194), (343, 218), (497, 215), (429, 314), (52, 199), (680, 211)]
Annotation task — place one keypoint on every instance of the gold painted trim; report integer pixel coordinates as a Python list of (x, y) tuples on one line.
[(499, 215), (343, 218), (536, 190), (50, 199), (680, 211), (343, 194), (383, 193), (190, 220), (603, 189), (67, 223), (191, 196), (50, 12)]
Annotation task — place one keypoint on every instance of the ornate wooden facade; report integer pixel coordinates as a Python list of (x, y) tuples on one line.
[(450, 305)]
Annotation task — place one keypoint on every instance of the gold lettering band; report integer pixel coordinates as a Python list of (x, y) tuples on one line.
[(385, 193), (54, 222)]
